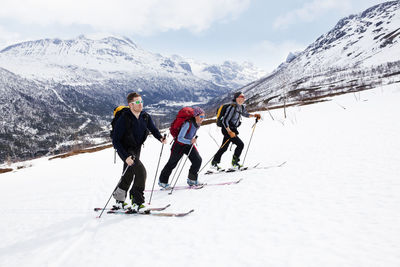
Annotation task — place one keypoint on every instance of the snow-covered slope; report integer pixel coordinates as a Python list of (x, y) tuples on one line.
[(362, 51), (334, 203)]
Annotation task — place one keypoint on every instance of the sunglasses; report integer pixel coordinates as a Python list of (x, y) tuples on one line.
[(136, 102), (241, 96), (202, 116)]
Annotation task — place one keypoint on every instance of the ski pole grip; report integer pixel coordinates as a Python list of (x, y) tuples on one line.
[(134, 159)]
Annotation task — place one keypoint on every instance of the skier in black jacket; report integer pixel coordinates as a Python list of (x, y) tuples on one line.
[(130, 132), (230, 122)]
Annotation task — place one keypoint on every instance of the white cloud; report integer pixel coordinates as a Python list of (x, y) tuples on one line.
[(133, 16), (270, 55), (311, 11), (7, 38)]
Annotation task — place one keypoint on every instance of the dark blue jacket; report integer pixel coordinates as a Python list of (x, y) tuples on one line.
[(130, 133)]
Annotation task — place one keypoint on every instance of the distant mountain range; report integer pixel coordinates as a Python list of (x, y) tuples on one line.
[(361, 52), (83, 61), (57, 93)]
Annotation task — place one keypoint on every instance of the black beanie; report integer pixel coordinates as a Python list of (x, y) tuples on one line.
[(236, 95)]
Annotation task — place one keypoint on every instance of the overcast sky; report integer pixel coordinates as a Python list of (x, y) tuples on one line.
[(259, 31)]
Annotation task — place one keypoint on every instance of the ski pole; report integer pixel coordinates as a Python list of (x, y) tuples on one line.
[(152, 189), (213, 155), (270, 114), (176, 170), (190, 151), (114, 190), (254, 127)]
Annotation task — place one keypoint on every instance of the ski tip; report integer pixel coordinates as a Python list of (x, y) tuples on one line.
[(190, 211), (184, 214), (283, 163)]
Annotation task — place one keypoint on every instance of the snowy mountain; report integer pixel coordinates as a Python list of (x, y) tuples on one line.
[(362, 51), (335, 203), (65, 90), (228, 74), (84, 61)]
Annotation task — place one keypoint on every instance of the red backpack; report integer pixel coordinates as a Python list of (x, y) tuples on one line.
[(183, 115)]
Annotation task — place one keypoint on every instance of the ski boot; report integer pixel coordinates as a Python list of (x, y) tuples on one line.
[(215, 166), (136, 208), (191, 182), (120, 205), (235, 163), (164, 186)]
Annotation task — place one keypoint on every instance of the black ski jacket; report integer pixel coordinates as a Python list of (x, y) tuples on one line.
[(131, 132)]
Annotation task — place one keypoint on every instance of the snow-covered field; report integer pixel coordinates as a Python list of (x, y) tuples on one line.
[(335, 202)]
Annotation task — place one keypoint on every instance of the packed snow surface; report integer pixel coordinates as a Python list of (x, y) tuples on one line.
[(335, 202)]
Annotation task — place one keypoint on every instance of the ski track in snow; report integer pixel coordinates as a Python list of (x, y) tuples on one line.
[(334, 203)]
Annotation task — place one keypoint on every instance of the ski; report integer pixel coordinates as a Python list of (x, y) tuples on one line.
[(209, 172), (214, 171), (273, 166), (225, 183), (237, 170), (181, 187), (151, 209), (149, 212), (256, 166), (201, 186), (242, 168), (210, 184), (170, 214)]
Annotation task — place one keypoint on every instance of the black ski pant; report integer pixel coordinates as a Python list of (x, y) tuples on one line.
[(236, 140), (137, 174), (177, 152)]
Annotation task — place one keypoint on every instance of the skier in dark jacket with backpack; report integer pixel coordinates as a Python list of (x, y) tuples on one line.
[(231, 120), (185, 144), (129, 133)]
